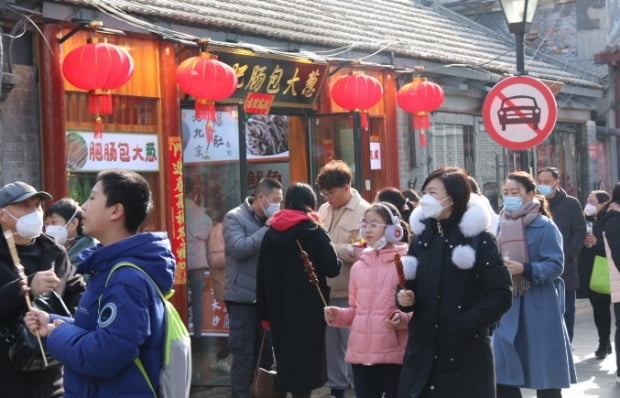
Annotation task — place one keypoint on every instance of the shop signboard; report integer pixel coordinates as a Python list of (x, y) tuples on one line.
[(137, 152), (294, 82)]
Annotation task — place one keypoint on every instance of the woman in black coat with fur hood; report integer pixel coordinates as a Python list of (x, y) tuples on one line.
[(288, 303), (457, 287)]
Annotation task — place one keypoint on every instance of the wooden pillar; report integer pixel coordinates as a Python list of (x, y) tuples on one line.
[(170, 127), (53, 116)]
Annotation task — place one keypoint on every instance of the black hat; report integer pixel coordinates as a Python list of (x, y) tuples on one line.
[(19, 191)]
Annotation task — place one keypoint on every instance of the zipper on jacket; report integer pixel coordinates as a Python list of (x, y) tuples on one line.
[(439, 228)]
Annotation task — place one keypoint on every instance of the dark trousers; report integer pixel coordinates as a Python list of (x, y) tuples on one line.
[(374, 380), (569, 312), (617, 314), (602, 315), (245, 334), (504, 391)]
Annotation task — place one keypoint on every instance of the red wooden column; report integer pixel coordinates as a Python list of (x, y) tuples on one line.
[(53, 123), (170, 127)]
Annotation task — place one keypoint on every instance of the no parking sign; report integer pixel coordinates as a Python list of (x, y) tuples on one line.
[(519, 112)]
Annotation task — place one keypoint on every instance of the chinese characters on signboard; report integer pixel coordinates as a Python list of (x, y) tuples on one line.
[(177, 237), (138, 152), (375, 155), (210, 141), (293, 82)]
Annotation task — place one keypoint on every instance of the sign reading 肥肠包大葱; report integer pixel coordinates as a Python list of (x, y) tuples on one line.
[(137, 152), (292, 81)]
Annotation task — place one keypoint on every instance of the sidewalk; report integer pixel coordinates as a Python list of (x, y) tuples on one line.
[(596, 378)]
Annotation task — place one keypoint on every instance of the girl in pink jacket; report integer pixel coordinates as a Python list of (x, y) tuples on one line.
[(378, 329)]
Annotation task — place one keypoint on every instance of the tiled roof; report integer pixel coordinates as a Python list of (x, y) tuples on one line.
[(403, 27)]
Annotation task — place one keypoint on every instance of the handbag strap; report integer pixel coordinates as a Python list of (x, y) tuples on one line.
[(260, 350)]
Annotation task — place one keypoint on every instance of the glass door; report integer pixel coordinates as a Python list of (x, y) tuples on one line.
[(333, 137)]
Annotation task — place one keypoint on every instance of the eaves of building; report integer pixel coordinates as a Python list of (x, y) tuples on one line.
[(401, 28)]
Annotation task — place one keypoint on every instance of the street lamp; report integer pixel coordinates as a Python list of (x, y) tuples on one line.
[(519, 15)]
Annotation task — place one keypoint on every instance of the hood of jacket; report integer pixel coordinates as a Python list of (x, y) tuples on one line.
[(288, 218), (148, 250), (370, 256)]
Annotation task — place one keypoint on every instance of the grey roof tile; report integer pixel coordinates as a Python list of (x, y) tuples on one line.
[(401, 26)]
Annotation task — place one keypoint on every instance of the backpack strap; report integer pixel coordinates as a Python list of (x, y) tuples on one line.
[(137, 360)]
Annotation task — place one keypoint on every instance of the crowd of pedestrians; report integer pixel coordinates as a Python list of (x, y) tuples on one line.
[(413, 295)]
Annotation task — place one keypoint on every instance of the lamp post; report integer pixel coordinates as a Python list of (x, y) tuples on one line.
[(519, 15)]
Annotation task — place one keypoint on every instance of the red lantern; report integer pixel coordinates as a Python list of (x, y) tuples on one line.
[(357, 91), (98, 67), (420, 97), (208, 80)]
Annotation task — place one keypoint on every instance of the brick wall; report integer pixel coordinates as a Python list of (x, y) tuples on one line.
[(20, 131)]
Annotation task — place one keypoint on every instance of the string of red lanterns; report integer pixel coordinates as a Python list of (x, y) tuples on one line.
[(98, 67)]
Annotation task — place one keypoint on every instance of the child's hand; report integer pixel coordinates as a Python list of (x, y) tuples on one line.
[(405, 298), (330, 314), (393, 321)]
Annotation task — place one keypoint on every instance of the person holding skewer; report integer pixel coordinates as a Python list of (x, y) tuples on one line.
[(46, 268), (378, 328), (295, 258)]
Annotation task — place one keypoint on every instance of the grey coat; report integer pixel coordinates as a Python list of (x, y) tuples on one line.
[(243, 236)]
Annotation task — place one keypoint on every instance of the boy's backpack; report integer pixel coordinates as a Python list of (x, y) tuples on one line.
[(176, 372)]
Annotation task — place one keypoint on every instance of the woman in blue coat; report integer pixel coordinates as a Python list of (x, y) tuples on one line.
[(531, 345)]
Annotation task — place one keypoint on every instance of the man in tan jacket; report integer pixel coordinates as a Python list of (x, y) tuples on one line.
[(340, 215)]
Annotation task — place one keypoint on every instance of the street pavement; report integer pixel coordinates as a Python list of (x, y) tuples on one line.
[(597, 378)]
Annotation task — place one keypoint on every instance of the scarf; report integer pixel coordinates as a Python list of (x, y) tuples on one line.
[(511, 239)]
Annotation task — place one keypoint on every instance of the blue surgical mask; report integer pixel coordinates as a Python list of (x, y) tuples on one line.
[(512, 203), (544, 190), (271, 209)]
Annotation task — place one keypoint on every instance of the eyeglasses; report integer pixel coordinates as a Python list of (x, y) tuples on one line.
[(329, 195), (372, 225)]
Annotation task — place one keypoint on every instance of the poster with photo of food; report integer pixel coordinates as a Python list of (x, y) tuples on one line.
[(266, 137), (210, 141), (131, 151)]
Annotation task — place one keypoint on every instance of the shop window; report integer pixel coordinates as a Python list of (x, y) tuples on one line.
[(223, 160), (560, 150)]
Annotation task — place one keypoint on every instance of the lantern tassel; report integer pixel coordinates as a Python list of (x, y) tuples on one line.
[(205, 109), (364, 121), (421, 121), (100, 102), (422, 138), (98, 128)]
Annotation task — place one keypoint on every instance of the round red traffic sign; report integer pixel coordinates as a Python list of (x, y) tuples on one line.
[(519, 112)]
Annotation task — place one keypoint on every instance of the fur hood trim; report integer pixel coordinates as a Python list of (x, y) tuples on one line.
[(475, 221), (410, 267)]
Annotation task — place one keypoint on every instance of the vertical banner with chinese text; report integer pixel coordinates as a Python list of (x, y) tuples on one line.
[(177, 238)]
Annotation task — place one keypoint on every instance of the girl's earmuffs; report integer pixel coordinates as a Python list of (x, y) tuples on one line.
[(394, 231)]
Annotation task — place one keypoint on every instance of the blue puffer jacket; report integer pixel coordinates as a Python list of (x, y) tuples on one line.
[(99, 347)]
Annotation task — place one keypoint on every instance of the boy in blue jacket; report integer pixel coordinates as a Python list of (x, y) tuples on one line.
[(123, 320)]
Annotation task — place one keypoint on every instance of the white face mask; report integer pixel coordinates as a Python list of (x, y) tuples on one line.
[(30, 225), (590, 210), (58, 232), (431, 207), (380, 244)]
